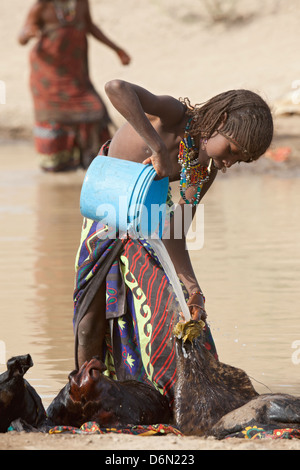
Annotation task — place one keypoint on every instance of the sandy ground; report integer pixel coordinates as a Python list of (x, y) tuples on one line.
[(134, 444), (182, 48)]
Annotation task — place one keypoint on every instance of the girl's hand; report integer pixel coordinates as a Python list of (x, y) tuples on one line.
[(123, 56), (159, 160), (197, 307)]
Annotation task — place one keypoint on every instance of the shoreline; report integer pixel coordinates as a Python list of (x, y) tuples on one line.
[(286, 143)]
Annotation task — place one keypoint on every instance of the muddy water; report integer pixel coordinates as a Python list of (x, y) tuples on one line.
[(248, 268)]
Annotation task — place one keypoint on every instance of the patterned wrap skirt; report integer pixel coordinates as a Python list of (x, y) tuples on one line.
[(141, 306)]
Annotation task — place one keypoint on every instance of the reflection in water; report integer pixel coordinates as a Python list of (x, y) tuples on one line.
[(56, 241), (40, 229), (248, 269)]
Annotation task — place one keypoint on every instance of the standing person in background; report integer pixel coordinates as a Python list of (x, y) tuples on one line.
[(71, 120)]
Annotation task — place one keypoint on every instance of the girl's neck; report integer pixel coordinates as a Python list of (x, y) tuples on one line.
[(182, 125)]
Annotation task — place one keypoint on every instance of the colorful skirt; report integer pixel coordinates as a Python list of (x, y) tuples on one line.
[(141, 307), (62, 147)]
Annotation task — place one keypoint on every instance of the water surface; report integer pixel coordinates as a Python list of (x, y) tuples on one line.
[(248, 269)]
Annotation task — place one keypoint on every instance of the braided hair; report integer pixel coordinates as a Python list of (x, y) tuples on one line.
[(248, 122)]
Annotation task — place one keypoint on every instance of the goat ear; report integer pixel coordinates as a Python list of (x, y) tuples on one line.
[(102, 365), (19, 365)]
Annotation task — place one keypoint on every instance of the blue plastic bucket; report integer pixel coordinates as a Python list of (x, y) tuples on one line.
[(124, 195)]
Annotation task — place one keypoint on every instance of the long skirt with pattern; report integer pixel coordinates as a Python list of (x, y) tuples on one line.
[(141, 307)]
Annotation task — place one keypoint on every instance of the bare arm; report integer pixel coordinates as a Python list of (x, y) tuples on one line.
[(180, 257), (179, 254), (32, 26), (96, 32), (133, 103)]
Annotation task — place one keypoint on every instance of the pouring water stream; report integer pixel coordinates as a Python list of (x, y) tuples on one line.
[(167, 264)]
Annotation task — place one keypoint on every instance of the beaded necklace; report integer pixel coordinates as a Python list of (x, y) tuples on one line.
[(65, 10), (192, 173)]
